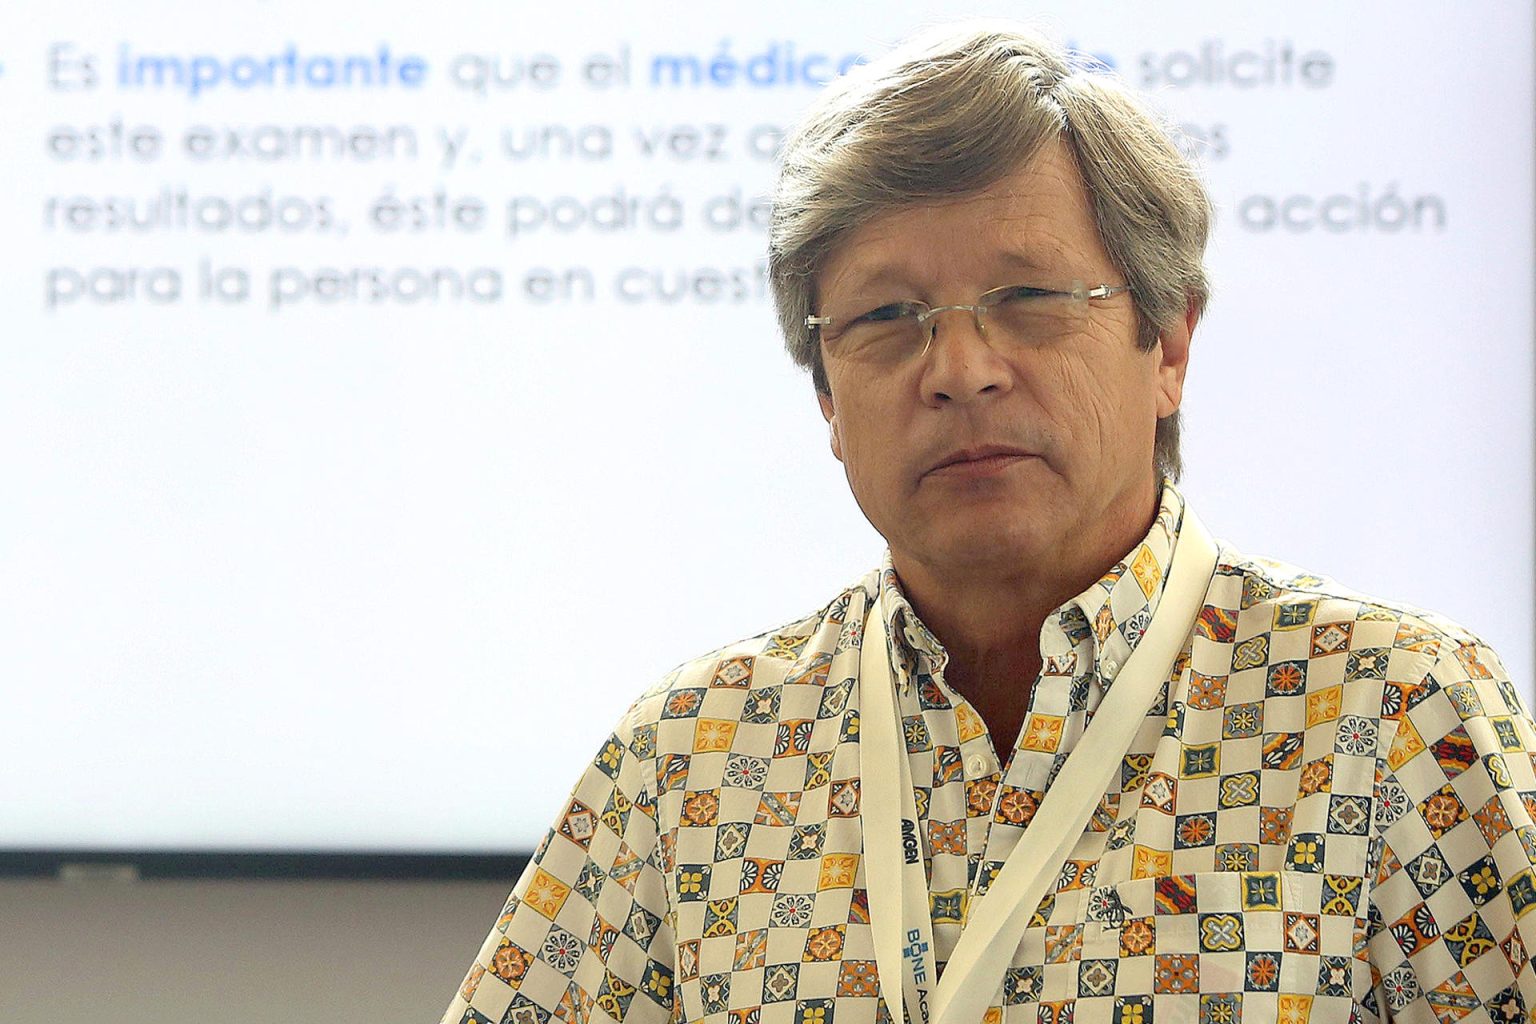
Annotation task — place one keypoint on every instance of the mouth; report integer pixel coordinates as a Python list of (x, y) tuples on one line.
[(974, 462)]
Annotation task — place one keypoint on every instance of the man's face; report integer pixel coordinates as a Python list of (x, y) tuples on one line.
[(975, 457)]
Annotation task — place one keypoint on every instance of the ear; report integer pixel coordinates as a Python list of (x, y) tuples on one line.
[(1172, 354), (829, 414)]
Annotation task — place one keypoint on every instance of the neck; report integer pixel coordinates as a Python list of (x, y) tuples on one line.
[(989, 628), (989, 622)]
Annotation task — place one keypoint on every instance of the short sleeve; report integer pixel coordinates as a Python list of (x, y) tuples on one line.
[(586, 932), (1451, 915)]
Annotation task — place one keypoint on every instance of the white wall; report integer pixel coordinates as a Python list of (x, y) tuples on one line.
[(238, 952)]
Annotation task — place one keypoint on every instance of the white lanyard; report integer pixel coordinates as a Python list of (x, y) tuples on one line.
[(893, 865)]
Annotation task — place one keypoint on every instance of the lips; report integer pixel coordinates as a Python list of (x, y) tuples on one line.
[(984, 459)]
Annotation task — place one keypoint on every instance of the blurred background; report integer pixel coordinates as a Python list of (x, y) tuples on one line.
[(390, 394)]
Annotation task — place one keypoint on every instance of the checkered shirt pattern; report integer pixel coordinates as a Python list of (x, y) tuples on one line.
[(1326, 817)]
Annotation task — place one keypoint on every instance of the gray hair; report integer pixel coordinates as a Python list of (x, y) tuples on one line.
[(953, 111)]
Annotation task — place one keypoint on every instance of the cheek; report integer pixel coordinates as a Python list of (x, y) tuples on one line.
[(1097, 407), (864, 453), (865, 433), (1078, 401)]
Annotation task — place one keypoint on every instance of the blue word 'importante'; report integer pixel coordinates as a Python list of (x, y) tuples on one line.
[(195, 74)]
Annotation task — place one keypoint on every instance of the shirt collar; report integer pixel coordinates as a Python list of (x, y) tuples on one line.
[(913, 647), (1118, 607), (1115, 611)]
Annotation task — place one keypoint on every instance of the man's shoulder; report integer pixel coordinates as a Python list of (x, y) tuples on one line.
[(799, 653), (1275, 599)]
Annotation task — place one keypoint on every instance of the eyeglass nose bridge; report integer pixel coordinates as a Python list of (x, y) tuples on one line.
[(925, 320)]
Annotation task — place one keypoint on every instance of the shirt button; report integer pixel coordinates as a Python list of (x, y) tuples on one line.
[(978, 765), (1111, 666)]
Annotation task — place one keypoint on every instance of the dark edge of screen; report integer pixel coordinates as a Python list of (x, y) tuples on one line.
[(214, 865)]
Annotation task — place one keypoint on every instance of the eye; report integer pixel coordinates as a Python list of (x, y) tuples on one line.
[(889, 311), (1021, 293)]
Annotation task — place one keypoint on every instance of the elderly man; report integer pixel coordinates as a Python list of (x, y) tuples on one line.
[(1062, 758)]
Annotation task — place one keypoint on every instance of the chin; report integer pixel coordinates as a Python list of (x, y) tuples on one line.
[(988, 547)]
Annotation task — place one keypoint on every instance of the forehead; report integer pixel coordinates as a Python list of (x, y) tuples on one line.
[(1036, 221)]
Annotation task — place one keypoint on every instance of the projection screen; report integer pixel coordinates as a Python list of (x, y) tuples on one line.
[(391, 393)]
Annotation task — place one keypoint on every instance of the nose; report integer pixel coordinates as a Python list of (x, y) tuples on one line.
[(959, 365)]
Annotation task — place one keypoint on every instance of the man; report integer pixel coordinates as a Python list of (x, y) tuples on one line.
[(1317, 807)]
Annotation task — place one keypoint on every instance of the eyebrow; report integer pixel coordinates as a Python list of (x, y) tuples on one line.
[(879, 278), (899, 280), (1045, 263)]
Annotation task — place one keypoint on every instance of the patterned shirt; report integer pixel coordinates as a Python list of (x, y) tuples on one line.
[(1327, 816)]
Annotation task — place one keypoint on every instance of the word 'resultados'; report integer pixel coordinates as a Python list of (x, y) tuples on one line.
[(178, 210)]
